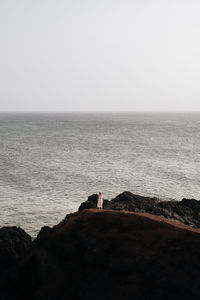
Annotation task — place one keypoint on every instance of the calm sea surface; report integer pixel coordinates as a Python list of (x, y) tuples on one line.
[(50, 163)]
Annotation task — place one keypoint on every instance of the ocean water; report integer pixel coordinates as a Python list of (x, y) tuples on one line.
[(50, 163)]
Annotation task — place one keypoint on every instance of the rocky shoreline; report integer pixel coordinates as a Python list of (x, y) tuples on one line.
[(186, 211), (135, 248)]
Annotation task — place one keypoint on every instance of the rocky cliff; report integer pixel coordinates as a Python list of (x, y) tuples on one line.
[(106, 254), (186, 211), (14, 242)]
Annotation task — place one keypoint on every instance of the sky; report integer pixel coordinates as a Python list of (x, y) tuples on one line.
[(108, 55)]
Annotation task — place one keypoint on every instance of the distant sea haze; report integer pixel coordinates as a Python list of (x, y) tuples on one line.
[(50, 163)]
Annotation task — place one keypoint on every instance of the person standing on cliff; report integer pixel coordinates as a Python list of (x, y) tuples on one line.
[(100, 201)]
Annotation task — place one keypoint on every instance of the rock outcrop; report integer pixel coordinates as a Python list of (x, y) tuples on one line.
[(132, 249), (105, 255), (14, 243), (186, 211)]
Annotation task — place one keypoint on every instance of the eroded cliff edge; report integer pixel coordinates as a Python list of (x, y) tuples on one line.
[(186, 211), (107, 254)]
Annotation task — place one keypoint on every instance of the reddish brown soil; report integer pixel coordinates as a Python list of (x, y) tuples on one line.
[(106, 254), (155, 218)]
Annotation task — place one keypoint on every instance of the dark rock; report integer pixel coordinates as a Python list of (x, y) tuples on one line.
[(186, 211), (108, 255), (14, 242), (90, 203), (131, 202), (43, 235)]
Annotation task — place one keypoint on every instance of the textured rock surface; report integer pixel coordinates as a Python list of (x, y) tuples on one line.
[(186, 211), (108, 254), (13, 244), (120, 252)]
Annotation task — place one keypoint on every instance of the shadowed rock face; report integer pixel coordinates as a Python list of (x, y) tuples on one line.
[(13, 244), (186, 211), (92, 203), (108, 255), (113, 253)]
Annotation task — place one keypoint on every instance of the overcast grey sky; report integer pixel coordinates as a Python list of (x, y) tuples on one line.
[(99, 55)]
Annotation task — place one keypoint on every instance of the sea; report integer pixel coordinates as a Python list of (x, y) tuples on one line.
[(51, 162)]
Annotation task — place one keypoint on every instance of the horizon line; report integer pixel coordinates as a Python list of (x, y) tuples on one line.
[(100, 111)]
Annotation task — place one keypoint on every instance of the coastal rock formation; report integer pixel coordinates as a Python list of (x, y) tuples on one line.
[(186, 211), (108, 254), (92, 203), (132, 249), (13, 244)]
